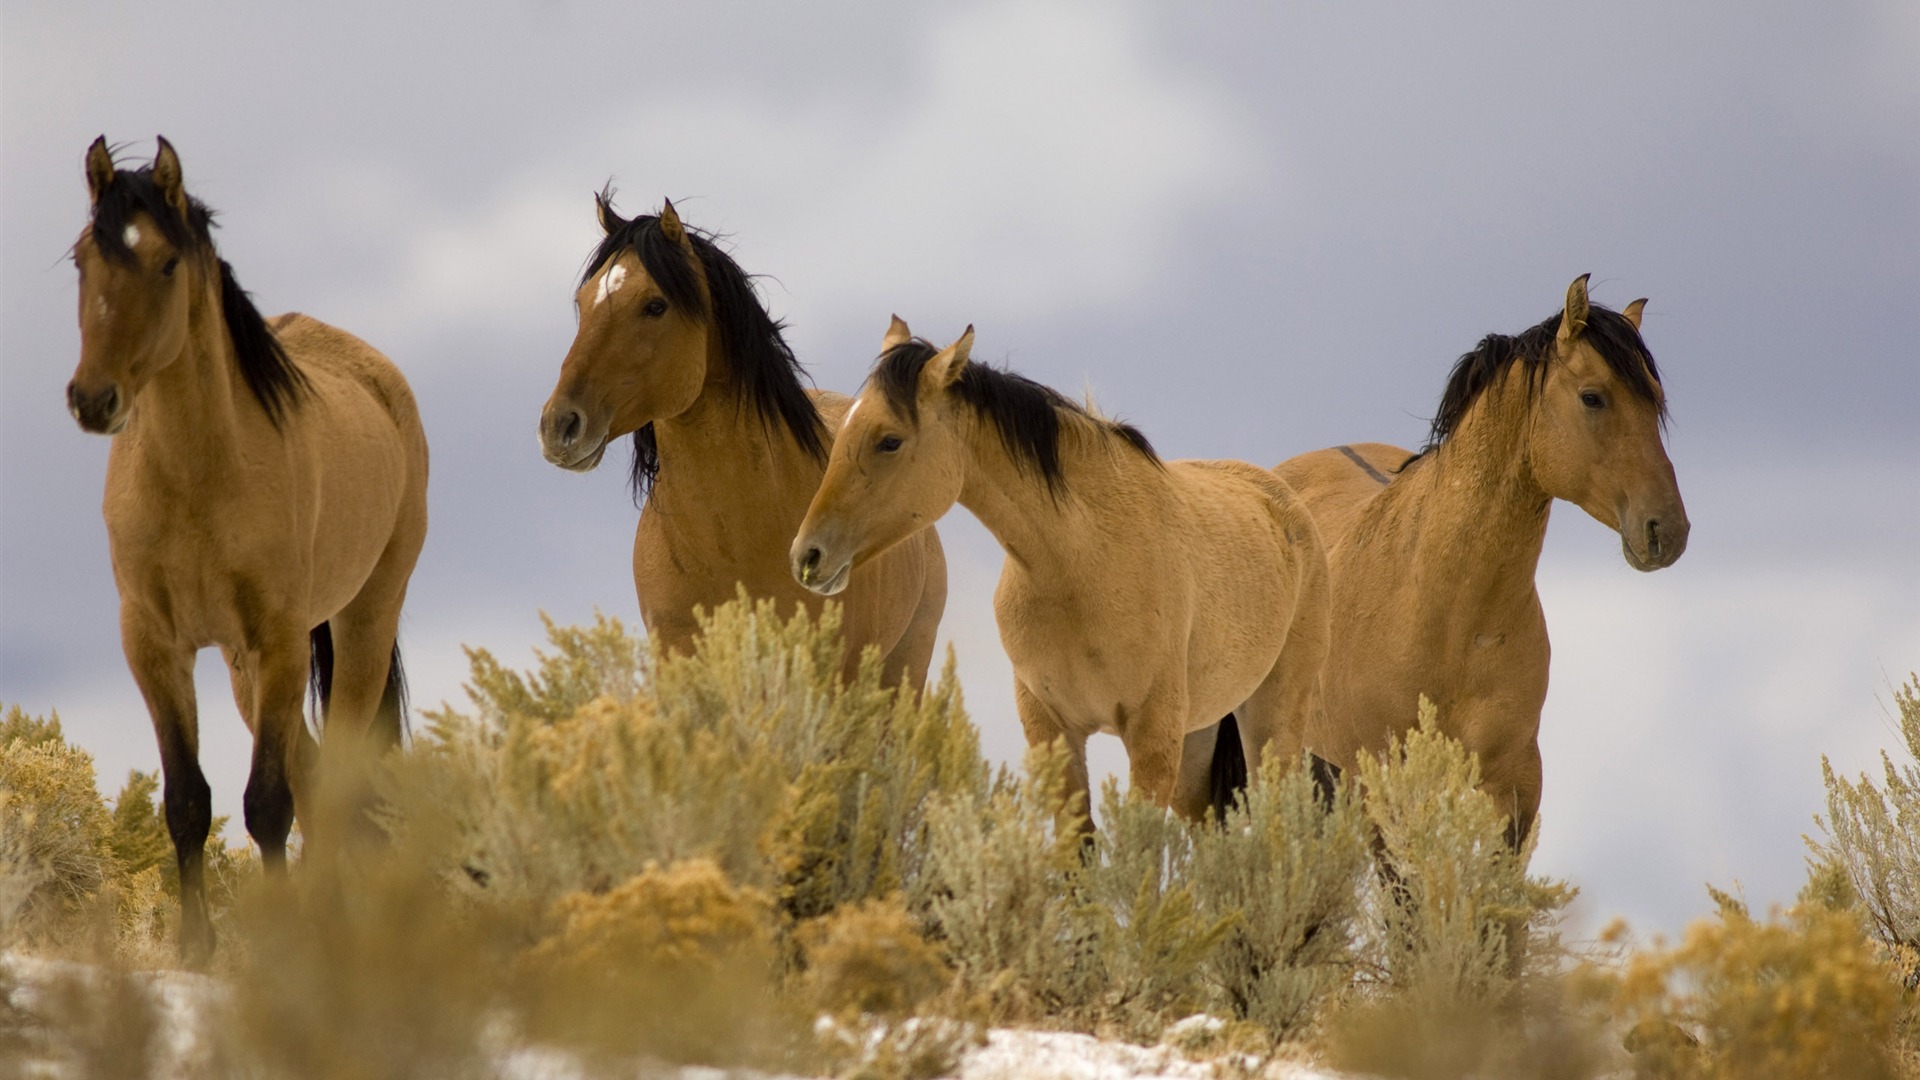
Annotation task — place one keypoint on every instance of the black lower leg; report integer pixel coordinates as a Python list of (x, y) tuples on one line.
[(268, 803), (189, 806)]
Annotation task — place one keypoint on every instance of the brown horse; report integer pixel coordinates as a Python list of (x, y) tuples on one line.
[(675, 347), (1432, 554), (266, 493), (1142, 598)]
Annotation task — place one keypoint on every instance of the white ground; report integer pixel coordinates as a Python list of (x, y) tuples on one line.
[(26, 981)]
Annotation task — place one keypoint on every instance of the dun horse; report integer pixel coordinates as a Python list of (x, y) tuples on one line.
[(266, 493), (1432, 555), (728, 446), (1142, 598)]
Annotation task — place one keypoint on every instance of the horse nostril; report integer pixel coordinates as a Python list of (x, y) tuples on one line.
[(809, 563), (110, 401), (1653, 538), (571, 429)]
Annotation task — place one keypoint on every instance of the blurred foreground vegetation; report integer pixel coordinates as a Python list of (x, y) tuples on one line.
[(730, 859)]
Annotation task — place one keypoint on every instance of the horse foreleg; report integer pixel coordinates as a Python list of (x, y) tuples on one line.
[(1043, 726), (1154, 741), (163, 669), (912, 655)]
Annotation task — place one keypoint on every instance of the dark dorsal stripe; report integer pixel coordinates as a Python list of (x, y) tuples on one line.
[(270, 374), (1610, 333), (763, 366), (1362, 462), (1025, 413)]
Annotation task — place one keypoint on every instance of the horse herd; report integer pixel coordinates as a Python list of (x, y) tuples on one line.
[(266, 493)]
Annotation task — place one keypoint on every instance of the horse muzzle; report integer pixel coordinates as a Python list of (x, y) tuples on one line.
[(817, 571), (566, 441), (100, 412), (1656, 543)]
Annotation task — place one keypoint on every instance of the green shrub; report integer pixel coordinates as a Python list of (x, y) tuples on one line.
[(1287, 871), (1874, 839), (1456, 917), (747, 752), (1003, 893)]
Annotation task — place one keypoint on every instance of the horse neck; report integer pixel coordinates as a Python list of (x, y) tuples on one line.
[(187, 416), (1483, 516), (1047, 536), (722, 452)]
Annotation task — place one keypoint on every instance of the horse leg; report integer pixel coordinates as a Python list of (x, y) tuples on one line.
[(279, 683), (1043, 726), (1193, 791), (163, 669), (913, 653), (1153, 742)]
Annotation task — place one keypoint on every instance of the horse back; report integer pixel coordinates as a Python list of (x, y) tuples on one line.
[(1337, 483)]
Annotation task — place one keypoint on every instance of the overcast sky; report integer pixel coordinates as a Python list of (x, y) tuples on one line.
[(1253, 229)]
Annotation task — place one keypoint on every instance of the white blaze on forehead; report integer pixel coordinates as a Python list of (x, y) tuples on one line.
[(610, 282), (131, 237)]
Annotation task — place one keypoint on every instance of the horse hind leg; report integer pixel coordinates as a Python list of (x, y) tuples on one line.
[(164, 672)]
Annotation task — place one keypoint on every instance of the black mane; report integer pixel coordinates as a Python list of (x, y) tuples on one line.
[(270, 374), (1026, 413), (1610, 333), (762, 364)]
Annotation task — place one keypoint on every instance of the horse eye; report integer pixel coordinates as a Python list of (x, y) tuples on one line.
[(888, 444), (1592, 400), (167, 269), (654, 308)]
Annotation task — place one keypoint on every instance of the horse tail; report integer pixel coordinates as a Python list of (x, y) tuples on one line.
[(320, 671), (1227, 777), (390, 720), (1326, 779)]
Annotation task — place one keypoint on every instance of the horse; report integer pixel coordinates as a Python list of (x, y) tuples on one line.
[(1139, 597), (1432, 554), (266, 492), (675, 348)]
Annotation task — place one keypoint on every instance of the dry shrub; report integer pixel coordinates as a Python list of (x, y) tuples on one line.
[(1804, 994), (676, 963), (363, 969), (869, 958), (1287, 871), (54, 849), (749, 753), (1457, 916)]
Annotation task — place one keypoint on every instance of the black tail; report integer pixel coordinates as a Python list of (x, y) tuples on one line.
[(320, 673), (1228, 776), (1326, 779), (390, 722)]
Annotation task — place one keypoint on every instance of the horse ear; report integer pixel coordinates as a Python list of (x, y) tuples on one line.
[(947, 365), (99, 168), (1632, 311), (897, 334), (1574, 321), (670, 223), (610, 222), (166, 177)]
